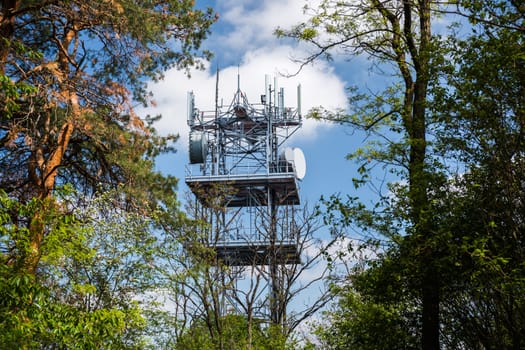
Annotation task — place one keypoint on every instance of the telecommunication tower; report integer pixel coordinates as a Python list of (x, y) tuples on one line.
[(241, 147)]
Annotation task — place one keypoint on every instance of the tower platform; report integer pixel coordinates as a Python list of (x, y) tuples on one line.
[(247, 189), (257, 253)]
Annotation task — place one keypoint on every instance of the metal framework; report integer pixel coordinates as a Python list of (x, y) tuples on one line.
[(238, 162), (238, 147)]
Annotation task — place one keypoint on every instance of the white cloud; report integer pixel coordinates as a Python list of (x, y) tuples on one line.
[(243, 42), (253, 24), (320, 87)]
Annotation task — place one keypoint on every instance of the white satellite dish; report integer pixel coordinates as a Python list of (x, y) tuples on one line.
[(295, 157), (300, 163)]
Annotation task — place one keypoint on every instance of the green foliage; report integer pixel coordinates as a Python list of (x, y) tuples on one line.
[(484, 113), (72, 73), (483, 270), (49, 309), (357, 324), (451, 233), (234, 336), (33, 318), (494, 13), (12, 92), (15, 237)]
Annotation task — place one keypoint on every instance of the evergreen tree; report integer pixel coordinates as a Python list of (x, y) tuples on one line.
[(71, 75)]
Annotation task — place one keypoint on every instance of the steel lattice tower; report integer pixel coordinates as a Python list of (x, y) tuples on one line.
[(241, 147)]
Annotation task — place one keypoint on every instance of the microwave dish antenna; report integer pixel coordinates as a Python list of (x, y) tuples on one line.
[(198, 147), (294, 158)]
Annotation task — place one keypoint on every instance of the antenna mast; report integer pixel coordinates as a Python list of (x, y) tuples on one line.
[(257, 226)]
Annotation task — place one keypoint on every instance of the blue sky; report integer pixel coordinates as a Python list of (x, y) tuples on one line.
[(243, 43)]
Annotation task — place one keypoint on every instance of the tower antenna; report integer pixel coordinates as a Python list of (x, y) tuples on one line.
[(217, 92), (251, 222)]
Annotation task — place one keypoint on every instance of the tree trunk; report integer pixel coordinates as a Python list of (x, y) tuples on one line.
[(416, 129), (405, 43), (250, 327), (430, 280), (48, 168)]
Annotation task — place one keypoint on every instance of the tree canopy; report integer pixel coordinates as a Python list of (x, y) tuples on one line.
[(92, 236), (71, 76), (451, 128)]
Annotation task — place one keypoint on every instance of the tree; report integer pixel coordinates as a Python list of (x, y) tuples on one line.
[(58, 309), (483, 111), (477, 215), (379, 303), (235, 329), (70, 75), (113, 265), (397, 33), (358, 318), (207, 290), (506, 15), (291, 286)]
